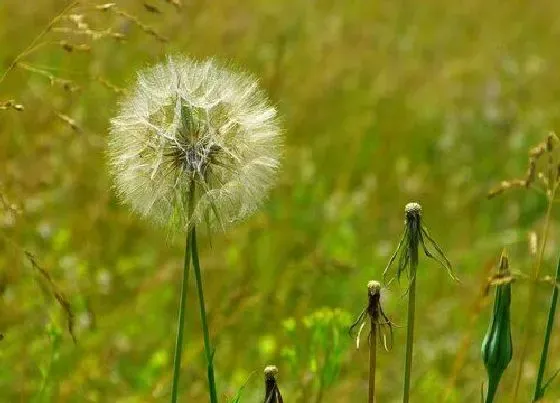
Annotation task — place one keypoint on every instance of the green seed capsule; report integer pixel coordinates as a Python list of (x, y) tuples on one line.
[(497, 347)]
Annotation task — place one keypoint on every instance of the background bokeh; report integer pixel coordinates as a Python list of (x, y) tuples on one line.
[(382, 102)]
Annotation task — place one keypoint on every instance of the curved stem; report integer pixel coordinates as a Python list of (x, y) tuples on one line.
[(539, 390), (207, 346)]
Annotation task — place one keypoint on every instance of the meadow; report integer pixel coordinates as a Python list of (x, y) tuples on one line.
[(381, 104)]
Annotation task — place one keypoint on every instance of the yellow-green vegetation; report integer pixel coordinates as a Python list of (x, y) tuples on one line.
[(382, 103)]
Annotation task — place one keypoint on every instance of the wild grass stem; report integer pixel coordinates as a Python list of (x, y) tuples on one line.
[(539, 388), (529, 316)]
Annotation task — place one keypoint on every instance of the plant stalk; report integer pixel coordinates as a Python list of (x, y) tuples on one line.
[(207, 346), (539, 389), (529, 316), (182, 303), (415, 228), (409, 335), (181, 320), (372, 360)]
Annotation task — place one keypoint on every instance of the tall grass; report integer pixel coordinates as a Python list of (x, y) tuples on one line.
[(381, 106)]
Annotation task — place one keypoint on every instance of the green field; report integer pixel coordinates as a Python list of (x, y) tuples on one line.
[(382, 103)]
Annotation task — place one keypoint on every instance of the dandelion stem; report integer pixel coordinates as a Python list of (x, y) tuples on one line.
[(372, 359), (409, 333), (203, 317), (415, 226), (539, 389), (182, 303), (529, 316), (181, 320)]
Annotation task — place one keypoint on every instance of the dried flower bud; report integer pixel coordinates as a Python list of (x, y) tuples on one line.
[(374, 287), (272, 393), (497, 347), (415, 234)]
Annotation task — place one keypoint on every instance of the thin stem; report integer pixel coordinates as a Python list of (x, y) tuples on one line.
[(182, 302), (529, 316), (539, 389), (181, 319), (372, 360), (33, 46), (203, 317), (409, 334)]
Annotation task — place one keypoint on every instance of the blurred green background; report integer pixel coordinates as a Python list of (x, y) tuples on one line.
[(383, 103)]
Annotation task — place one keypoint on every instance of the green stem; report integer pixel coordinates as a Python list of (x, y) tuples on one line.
[(492, 389), (372, 360), (203, 317), (182, 303), (529, 315), (181, 319), (539, 389), (409, 334)]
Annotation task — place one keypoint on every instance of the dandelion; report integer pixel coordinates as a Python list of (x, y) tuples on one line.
[(194, 132), (415, 233), (378, 323), (192, 143)]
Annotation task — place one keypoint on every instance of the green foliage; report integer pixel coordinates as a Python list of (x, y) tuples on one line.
[(48, 369), (320, 352), (381, 105)]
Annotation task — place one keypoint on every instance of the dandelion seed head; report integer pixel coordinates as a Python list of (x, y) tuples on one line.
[(196, 132)]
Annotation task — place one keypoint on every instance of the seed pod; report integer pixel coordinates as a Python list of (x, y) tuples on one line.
[(497, 347), (272, 393)]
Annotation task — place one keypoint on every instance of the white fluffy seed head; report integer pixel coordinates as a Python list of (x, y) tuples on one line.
[(187, 122)]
